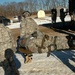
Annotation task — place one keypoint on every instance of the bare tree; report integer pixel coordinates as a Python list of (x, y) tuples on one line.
[(13, 8), (20, 8)]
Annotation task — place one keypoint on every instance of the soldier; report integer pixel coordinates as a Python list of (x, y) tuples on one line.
[(28, 25), (19, 18), (26, 14), (62, 15), (33, 38), (54, 15), (9, 64)]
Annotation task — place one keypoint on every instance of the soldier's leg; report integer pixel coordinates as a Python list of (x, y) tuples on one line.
[(49, 49), (11, 63), (7, 68)]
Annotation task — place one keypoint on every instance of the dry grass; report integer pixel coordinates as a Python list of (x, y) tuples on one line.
[(16, 33)]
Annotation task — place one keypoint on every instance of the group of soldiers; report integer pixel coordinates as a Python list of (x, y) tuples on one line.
[(33, 40), (54, 15), (30, 40), (30, 36)]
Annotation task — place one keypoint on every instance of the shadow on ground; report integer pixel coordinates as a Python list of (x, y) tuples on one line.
[(67, 57), (63, 26)]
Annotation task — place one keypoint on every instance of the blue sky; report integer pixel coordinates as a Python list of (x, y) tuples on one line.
[(3, 1)]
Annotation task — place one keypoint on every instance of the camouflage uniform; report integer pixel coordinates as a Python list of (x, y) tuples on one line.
[(28, 26), (45, 43), (56, 43), (33, 41), (6, 41)]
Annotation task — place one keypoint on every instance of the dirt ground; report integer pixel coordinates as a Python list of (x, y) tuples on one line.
[(16, 32)]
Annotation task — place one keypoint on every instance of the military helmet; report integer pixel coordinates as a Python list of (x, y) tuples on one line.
[(26, 14)]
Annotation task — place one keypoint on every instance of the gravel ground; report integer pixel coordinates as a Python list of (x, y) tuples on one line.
[(58, 63)]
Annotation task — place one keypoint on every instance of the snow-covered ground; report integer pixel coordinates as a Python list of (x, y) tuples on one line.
[(14, 25), (45, 20), (58, 63)]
